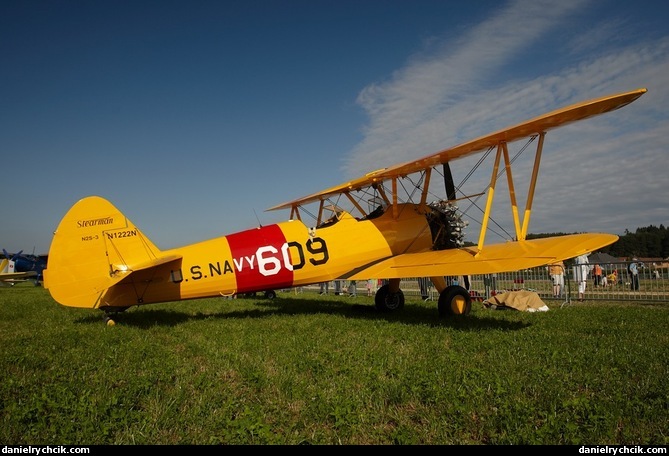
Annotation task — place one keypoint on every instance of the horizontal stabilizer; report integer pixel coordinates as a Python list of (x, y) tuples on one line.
[(88, 291)]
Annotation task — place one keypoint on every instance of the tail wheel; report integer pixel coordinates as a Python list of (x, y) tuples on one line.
[(271, 294), (454, 300), (386, 301), (111, 313)]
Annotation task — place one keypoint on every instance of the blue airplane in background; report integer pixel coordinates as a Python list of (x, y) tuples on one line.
[(28, 263)]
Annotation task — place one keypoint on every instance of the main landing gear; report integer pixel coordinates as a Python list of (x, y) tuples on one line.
[(269, 294), (388, 301), (453, 300)]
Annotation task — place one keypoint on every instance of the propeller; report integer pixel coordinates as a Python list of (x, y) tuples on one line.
[(445, 222), (13, 258), (448, 182)]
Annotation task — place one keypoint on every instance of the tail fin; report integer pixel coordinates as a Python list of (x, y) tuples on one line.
[(7, 266), (94, 247)]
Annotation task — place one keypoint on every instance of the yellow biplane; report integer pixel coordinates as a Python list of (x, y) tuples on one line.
[(363, 229), (9, 275)]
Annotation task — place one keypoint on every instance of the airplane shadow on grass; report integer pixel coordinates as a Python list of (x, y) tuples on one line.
[(147, 316)]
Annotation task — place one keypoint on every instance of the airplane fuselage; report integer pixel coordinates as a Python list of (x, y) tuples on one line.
[(284, 255)]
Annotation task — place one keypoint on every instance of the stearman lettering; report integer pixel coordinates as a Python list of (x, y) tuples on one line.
[(95, 222)]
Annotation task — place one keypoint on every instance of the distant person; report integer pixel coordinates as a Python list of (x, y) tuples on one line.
[(370, 287), (633, 270), (597, 275), (325, 288), (613, 278), (556, 271), (581, 271), (353, 288), (424, 285), (493, 282), (337, 287)]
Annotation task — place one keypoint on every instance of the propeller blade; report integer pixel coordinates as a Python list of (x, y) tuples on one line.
[(448, 182)]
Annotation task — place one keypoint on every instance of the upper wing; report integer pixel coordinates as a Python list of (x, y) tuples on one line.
[(526, 129), (510, 256)]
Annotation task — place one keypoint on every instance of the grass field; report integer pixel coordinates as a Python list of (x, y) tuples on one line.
[(306, 369)]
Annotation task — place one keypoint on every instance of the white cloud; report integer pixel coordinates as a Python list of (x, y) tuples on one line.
[(448, 97)]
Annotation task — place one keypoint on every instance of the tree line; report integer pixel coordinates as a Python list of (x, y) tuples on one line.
[(645, 242)]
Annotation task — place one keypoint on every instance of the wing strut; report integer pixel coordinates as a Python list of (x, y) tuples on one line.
[(521, 230), (512, 190), (382, 193), (355, 203), (426, 187), (394, 185), (533, 184), (491, 196)]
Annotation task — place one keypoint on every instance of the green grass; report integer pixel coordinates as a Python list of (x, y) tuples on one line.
[(305, 369)]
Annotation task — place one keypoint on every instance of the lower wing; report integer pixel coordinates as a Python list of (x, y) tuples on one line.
[(510, 256), (9, 276)]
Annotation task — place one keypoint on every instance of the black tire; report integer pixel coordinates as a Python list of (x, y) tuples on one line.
[(454, 300), (385, 301), (270, 294), (111, 313)]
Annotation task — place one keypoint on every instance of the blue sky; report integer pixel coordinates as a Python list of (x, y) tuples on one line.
[(193, 117)]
